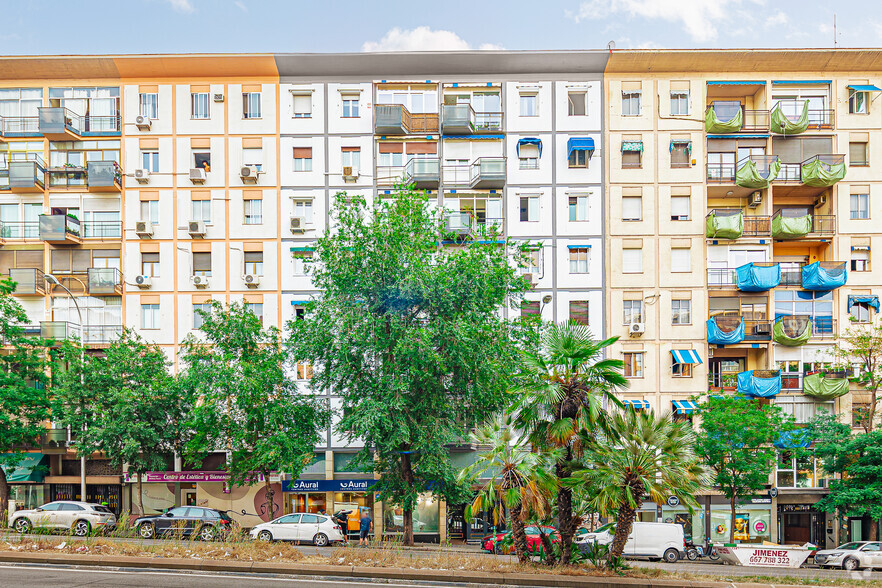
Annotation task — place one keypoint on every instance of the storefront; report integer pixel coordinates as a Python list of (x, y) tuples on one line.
[(334, 496), (802, 523), (426, 519), (752, 524), (25, 479)]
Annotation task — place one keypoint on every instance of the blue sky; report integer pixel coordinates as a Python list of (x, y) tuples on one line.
[(196, 26)]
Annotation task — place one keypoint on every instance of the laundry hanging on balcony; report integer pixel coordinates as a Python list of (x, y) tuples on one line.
[(780, 123), (580, 144), (795, 439), (791, 227), (714, 125), (871, 301), (725, 330), (759, 384), (792, 331), (820, 386), (529, 141), (822, 276), (821, 174), (748, 175), (724, 224), (751, 277)]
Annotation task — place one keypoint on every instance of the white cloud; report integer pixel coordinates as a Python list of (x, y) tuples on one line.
[(183, 6), (422, 39), (699, 18), (241, 6)]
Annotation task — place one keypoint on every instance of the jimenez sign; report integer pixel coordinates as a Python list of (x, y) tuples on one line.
[(327, 485), (756, 555)]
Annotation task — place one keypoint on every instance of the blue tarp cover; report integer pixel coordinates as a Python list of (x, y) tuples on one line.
[(580, 144), (715, 336), (757, 278), (816, 277), (750, 385), (793, 439), (872, 301), (529, 141)]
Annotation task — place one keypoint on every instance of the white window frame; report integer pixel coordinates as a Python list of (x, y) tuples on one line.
[(571, 104), (251, 105), (679, 252), (350, 100), (862, 210), (677, 314), (677, 97), (200, 210), (148, 105), (532, 208), (525, 99), (688, 208), (629, 99), (253, 211), (198, 101), (150, 160), (580, 210), (580, 260), (150, 211), (303, 207), (305, 97), (150, 319)]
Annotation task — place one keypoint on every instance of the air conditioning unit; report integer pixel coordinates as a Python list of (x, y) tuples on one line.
[(298, 224), (219, 97), (349, 173), (142, 122), (755, 200), (251, 280), (196, 228), (762, 329), (530, 278), (636, 329), (821, 201), (199, 281), (143, 282), (249, 173), (144, 228), (197, 175), (142, 175)]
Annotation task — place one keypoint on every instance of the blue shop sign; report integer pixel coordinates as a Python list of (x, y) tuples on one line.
[(327, 485)]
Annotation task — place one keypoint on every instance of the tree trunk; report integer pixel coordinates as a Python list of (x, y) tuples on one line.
[(407, 474), (565, 512), (550, 557), (140, 495), (872, 413), (520, 537), (4, 496), (732, 520), (874, 530), (269, 496), (624, 523)]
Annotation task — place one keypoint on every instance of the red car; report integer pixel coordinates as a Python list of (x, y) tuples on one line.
[(493, 543)]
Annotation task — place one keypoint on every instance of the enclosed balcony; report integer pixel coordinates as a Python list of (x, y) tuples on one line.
[(105, 281), (487, 172), (28, 175), (395, 119), (103, 176), (423, 172), (60, 229), (461, 119), (89, 335), (824, 276), (29, 281)]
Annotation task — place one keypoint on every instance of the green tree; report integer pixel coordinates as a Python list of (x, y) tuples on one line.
[(24, 402), (563, 388), (642, 456), (127, 407), (860, 348), (247, 405), (408, 331), (514, 478), (736, 441)]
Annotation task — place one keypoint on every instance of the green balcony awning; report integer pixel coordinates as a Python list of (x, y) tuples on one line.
[(749, 176), (781, 124), (792, 331), (632, 146), (725, 226), (822, 175), (818, 386), (30, 467), (791, 227), (713, 125)]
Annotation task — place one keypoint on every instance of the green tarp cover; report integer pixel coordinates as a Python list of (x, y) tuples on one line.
[(798, 331), (713, 125), (29, 468), (748, 176), (783, 125), (787, 227), (817, 386), (821, 175), (725, 227)]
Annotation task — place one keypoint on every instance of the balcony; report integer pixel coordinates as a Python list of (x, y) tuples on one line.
[(757, 171), (757, 329), (67, 176), (461, 119), (810, 177), (19, 126), (103, 176), (725, 329), (801, 226), (729, 117), (104, 230), (791, 275), (459, 224), (90, 335), (60, 229), (732, 223), (794, 117), (825, 386), (797, 330), (61, 124), (487, 172), (26, 176), (106, 281), (29, 281), (19, 230), (423, 172), (395, 119)]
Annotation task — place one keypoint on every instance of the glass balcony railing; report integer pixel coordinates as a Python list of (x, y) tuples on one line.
[(103, 176), (460, 223), (60, 228), (29, 281), (102, 229), (104, 281), (487, 172), (19, 230), (395, 119), (28, 175), (60, 123), (423, 172), (90, 335), (461, 119), (19, 126)]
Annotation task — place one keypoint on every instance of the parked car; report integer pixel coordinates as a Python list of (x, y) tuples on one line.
[(851, 556), (493, 543), (195, 521), (650, 540), (79, 517), (317, 529)]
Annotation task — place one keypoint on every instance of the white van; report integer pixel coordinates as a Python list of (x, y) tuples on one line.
[(651, 540)]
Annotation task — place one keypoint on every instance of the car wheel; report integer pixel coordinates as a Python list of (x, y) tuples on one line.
[(146, 531), (207, 533), (672, 555), (320, 540), (265, 536), (22, 525), (851, 564), (81, 528)]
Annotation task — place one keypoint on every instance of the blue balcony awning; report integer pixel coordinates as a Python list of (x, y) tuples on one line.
[(636, 404), (301, 302), (864, 88), (684, 406), (529, 141), (685, 356), (580, 144), (737, 83), (578, 246), (871, 301)]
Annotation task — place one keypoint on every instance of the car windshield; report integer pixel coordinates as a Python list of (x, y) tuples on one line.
[(850, 546)]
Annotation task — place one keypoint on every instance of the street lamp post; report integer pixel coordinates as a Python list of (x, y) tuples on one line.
[(56, 282)]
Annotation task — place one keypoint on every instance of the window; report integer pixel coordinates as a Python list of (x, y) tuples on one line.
[(253, 156), (860, 312), (632, 158), (150, 264), (256, 308), (579, 312), (254, 263), (531, 308), (201, 210), (299, 313), (680, 103), (529, 208), (150, 161), (198, 319), (149, 316), (860, 260), (860, 206), (632, 208), (534, 262), (680, 208), (681, 370), (199, 105), (680, 152), (250, 104), (202, 159), (633, 312), (578, 208), (858, 153), (253, 212), (304, 371), (303, 159), (202, 264), (681, 260), (150, 211), (579, 260), (303, 209), (528, 156), (529, 105), (860, 414), (351, 157), (681, 312), (578, 103), (302, 105), (632, 261), (350, 106), (149, 105), (858, 102), (579, 158), (633, 364), (631, 103), (798, 472), (301, 262)]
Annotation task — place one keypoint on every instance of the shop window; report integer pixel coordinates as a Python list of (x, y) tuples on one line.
[(426, 516), (343, 463)]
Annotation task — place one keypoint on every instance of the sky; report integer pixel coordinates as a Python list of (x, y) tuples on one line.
[(45, 27)]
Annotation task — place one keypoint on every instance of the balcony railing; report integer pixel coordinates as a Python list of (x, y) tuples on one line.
[(423, 172), (90, 335), (819, 171), (104, 281), (103, 176), (755, 121), (487, 172), (757, 329), (722, 381), (28, 175), (791, 275), (462, 119), (29, 281), (823, 224), (395, 119), (791, 381), (60, 123), (60, 229), (102, 229), (757, 226), (19, 230), (20, 126), (818, 118), (720, 277), (721, 173)]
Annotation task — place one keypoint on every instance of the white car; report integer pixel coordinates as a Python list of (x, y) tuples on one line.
[(851, 556), (317, 529), (79, 517)]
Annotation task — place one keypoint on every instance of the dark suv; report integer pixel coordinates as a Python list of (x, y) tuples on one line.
[(196, 521)]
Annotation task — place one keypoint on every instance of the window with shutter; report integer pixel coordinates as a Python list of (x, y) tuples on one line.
[(681, 260), (632, 208), (302, 105), (632, 261), (857, 153), (680, 208), (579, 312)]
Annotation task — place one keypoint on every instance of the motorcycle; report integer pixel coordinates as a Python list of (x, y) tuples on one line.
[(694, 552)]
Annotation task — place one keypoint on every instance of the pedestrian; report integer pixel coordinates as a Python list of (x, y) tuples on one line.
[(366, 527), (322, 511)]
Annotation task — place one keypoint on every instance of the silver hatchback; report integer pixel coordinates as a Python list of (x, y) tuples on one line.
[(80, 518)]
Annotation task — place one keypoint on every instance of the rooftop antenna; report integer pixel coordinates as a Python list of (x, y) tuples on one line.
[(835, 38), (611, 45)]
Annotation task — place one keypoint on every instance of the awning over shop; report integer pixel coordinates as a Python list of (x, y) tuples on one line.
[(864, 88), (736, 83), (685, 356), (31, 467), (684, 406), (580, 144), (636, 404), (871, 301), (529, 141)]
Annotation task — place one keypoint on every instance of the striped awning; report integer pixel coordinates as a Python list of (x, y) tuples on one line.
[(685, 356), (636, 404), (684, 406)]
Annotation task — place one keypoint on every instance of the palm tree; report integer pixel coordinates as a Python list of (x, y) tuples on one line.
[(516, 479), (564, 388), (645, 456)]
